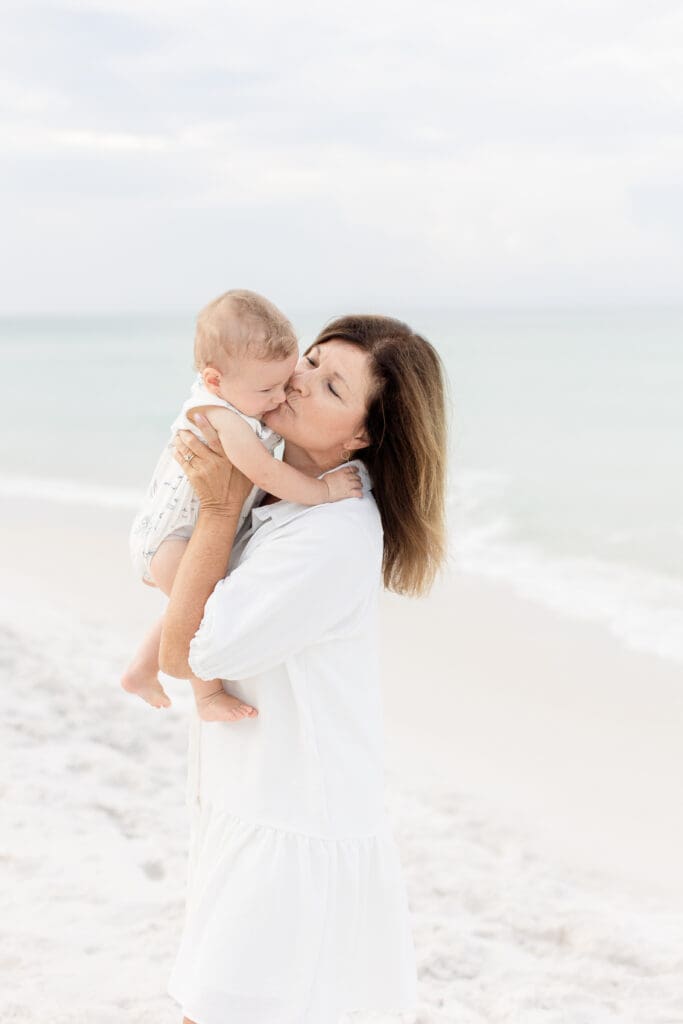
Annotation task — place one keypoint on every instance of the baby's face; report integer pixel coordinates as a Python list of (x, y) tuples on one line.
[(257, 386)]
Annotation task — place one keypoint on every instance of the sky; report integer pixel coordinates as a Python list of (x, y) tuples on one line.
[(448, 154)]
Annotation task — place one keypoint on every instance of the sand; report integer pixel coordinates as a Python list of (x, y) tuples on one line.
[(578, 737), (533, 767)]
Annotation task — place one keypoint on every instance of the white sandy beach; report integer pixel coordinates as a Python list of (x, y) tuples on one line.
[(533, 777)]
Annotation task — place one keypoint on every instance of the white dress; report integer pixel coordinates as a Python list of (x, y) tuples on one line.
[(296, 907), (170, 507)]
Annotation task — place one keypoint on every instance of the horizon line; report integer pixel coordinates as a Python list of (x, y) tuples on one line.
[(422, 307)]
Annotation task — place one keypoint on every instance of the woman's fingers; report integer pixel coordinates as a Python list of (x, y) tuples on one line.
[(187, 447), (190, 441), (211, 435), (209, 472)]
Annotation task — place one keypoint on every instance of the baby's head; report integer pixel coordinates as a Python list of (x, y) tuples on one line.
[(246, 351)]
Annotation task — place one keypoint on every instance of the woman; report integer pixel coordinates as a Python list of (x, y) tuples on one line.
[(297, 910)]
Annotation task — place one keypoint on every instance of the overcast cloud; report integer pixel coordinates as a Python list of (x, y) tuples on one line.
[(459, 153)]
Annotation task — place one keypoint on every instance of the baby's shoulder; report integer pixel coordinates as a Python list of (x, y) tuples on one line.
[(200, 395)]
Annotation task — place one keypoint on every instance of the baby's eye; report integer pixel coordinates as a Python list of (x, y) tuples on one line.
[(310, 360)]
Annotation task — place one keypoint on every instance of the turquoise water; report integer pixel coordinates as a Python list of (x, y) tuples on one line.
[(566, 428)]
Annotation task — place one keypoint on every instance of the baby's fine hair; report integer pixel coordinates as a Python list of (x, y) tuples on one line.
[(242, 323)]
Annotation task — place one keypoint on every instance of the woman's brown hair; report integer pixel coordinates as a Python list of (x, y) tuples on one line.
[(406, 457)]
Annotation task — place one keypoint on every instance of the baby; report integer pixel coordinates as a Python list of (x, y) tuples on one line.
[(245, 352)]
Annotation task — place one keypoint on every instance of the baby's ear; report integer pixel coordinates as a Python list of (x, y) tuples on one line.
[(212, 379)]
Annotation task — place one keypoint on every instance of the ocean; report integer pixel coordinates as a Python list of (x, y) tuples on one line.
[(566, 428)]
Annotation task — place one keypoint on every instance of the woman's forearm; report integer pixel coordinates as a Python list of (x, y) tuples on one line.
[(204, 563)]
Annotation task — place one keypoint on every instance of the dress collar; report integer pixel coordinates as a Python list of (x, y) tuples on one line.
[(280, 512)]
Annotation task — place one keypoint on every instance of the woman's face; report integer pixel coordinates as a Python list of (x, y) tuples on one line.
[(327, 401)]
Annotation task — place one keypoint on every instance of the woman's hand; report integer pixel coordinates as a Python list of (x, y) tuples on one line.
[(220, 487)]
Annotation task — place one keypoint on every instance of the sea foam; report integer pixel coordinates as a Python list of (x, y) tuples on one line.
[(642, 607), (70, 492)]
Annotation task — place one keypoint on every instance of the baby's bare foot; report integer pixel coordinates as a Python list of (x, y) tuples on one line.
[(220, 706), (147, 686)]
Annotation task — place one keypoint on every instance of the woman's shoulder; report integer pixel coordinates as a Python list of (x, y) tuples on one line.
[(350, 528), (331, 524), (339, 541), (353, 512), (351, 525)]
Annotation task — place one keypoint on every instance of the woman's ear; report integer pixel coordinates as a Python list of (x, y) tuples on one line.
[(359, 440)]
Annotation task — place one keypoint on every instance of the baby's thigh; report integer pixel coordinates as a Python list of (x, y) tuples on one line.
[(164, 564)]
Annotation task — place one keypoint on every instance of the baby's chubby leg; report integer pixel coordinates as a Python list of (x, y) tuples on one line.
[(141, 677)]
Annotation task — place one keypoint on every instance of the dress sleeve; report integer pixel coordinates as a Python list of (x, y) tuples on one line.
[(309, 581)]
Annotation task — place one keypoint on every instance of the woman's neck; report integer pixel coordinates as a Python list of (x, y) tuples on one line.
[(302, 460), (305, 462)]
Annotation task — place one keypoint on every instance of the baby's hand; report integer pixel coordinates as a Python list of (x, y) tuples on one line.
[(343, 483)]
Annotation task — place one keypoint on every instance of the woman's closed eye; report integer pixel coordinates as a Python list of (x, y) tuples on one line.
[(328, 383)]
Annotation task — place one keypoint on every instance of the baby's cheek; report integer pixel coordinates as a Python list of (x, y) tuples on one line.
[(253, 406)]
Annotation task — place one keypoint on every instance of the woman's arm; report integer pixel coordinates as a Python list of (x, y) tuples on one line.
[(221, 490)]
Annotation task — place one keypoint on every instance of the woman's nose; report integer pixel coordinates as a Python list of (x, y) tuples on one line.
[(299, 381)]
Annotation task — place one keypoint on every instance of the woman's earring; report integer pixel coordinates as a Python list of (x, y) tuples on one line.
[(346, 455)]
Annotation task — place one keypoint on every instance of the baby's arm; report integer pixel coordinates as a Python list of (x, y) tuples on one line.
[(246, 451)]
